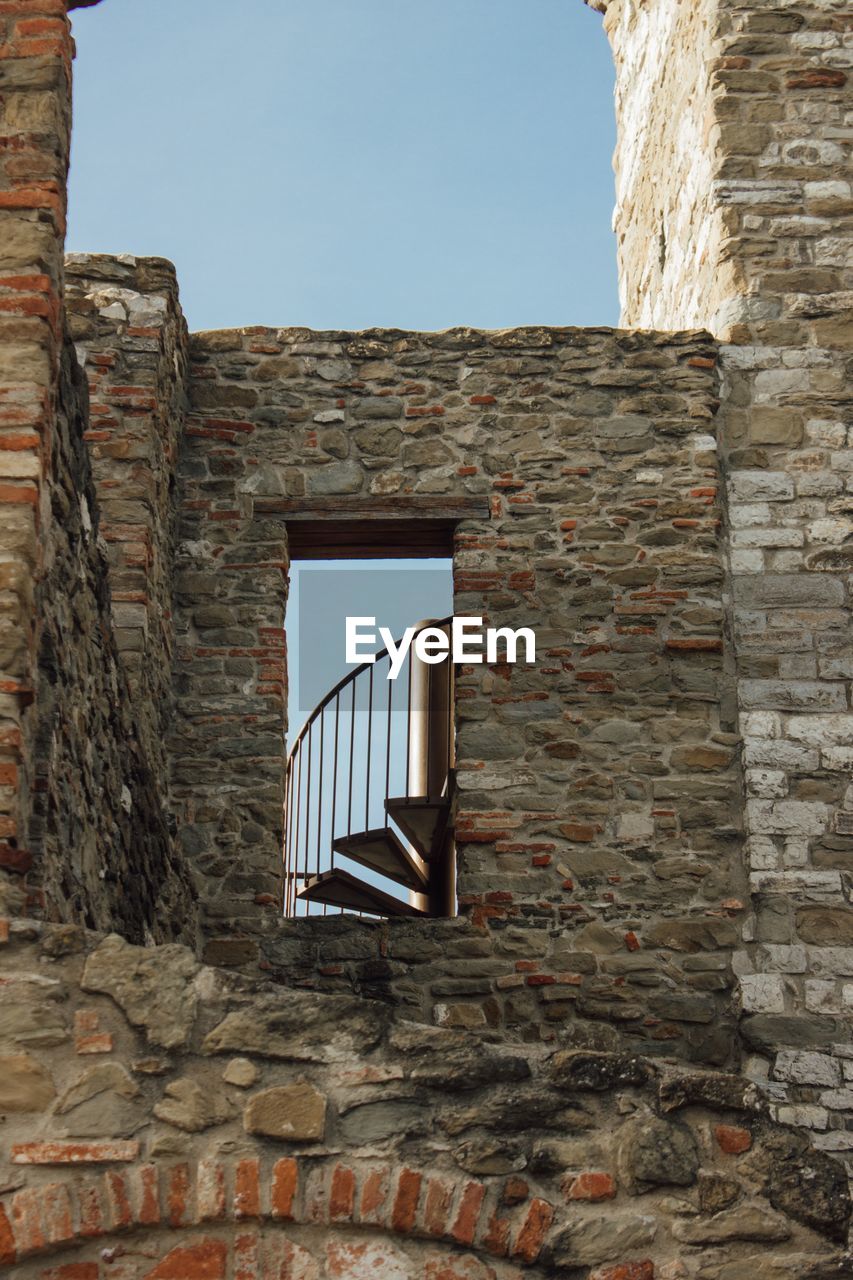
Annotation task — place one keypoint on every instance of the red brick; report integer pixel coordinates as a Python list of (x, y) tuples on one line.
[(590, 1186), (56, 1213), (816, 78), (176, 1197), (118, 1200), (27, 1223), (579, 832), (483, 400), (465, 1226), (73, 1152), (626, 1271), (515, 1191), (285, 1177), (18, 861), (8, 1252), (431, 411), (91, 1212), (632, 942), (375, 1258), (406, 1201), (439, 1198), (697, 644), (732, 1140), (247, 1189), (206, 1260), (246, 1258), (40, 27), (528, 1242), (342, 1194), (100, 1043), (148, 1197), (373, 1193), (210, 1190), (496, 1236)]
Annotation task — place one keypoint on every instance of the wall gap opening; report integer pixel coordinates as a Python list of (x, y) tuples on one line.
[(369, 788)]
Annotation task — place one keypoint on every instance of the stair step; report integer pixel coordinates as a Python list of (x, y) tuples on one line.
[(338, 888), (422, 819), (382, 850)]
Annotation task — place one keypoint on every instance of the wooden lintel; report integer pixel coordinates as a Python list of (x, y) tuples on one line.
[(405, 507), (371, 528)]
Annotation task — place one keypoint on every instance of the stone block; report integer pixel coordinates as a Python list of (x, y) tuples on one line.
[(786, 590), (803, 1067), (793, 695), (287, 1113), (762, 993)]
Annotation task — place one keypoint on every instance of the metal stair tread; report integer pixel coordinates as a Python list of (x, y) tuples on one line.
[(337, 888), (381, 850)]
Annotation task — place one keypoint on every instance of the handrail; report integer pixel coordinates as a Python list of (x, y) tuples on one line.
[(342, 789), (342, 684)]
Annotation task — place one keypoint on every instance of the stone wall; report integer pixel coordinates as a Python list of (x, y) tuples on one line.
[(100, 851), (131, 339), (598, 823), (770, 276), (81, 802), (35, 112), (165, 1121)]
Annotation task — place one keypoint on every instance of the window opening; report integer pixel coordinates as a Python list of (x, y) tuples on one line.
[(370, 779)]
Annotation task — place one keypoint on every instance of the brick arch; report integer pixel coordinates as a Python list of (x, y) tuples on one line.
[(216, 1209), (271, 1254)]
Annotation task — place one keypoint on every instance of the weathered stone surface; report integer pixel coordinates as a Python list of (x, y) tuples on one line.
[(693, 935), (716, 1090), (717, 1193), (654, 1153), (154, 989), (769, 1031), (488, 1156), (193, 1105), (36, 1024), (825, 926), (241, 1072), (747, 1222), (25, 1085), (297, 1026), (580, 1070), (448, 1059), (287, 1113), (104, 1102), (807, 1185), (604, 1238)]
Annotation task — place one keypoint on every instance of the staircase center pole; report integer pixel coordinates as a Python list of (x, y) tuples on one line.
[(432, 750)]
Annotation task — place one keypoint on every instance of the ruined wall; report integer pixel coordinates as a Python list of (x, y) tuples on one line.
[(131, 339), (82, 806), (770, 275), (35, 79), (164, 1121), (598, 792), (100, 851)]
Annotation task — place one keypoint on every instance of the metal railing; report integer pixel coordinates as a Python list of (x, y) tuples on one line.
[(368, 740)]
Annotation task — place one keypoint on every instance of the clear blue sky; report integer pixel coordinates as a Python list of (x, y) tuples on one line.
[(348, 163)]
